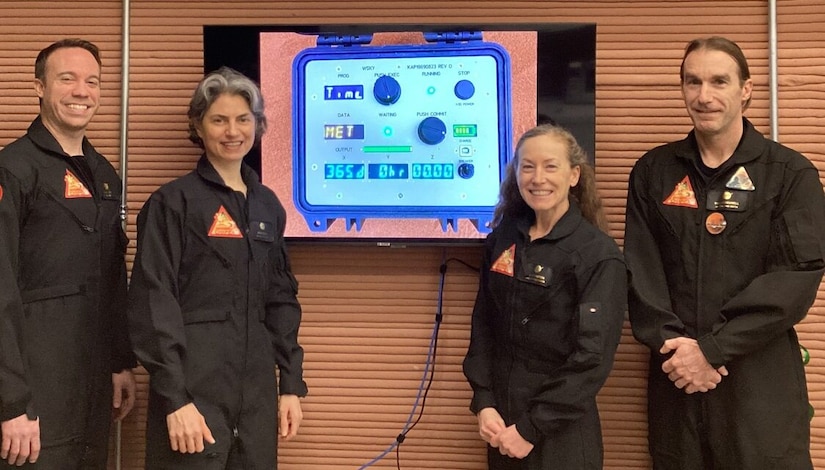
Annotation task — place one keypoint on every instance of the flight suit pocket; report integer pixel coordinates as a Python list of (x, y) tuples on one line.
[(205, 315), (804, 239), (590, 336), (50, 292), (56, 338)]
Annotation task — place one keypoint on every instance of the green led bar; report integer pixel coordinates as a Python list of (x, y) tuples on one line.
[(387, 149), (465, 130)]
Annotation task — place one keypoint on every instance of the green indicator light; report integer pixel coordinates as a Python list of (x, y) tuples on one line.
[(387, 149), (465, 130)]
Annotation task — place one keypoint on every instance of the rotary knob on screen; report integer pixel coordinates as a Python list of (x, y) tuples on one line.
[(386, 90), (432, 130), (464, 89), (466, 170)]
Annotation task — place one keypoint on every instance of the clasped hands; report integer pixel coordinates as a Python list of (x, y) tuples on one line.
[(688, 368), (506, 439)]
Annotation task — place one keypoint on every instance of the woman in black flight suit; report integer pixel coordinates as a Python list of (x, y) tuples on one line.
[(213, 307), (549, 312)]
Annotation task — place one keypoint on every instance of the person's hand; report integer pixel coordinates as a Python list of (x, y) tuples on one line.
[(490, 423), (511, 444), (21, 440), (123, 397), (289, 416), (688, 368), (188, 430)]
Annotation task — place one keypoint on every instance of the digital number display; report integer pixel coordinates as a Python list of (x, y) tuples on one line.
[(344, 92), (343, 131), (388, 171), (344, 171), (432, 171)]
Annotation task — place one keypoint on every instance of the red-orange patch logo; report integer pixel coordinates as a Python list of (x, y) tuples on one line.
[(1, 193), (506, 262), (74, 187), (224, 226), (682, 195)]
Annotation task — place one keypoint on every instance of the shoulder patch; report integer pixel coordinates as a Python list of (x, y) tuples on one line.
[(224, 226), (682, 195)]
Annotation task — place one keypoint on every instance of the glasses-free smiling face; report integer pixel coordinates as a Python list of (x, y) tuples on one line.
[(227, 129), (69, 91), (713, 91), (545, 176)]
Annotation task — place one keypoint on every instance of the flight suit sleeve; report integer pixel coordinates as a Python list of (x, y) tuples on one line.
[(123, 358), (651, 314), (780, 298), (564, 395), (155, 318), (478, 361), (15, 394), (283, 319)]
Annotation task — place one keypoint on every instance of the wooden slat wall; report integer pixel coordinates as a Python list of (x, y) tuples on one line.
[(369, 312)]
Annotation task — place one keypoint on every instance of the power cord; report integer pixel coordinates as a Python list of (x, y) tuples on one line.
[(429, 371)]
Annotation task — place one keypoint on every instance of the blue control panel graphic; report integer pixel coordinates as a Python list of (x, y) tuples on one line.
[(400, 131)]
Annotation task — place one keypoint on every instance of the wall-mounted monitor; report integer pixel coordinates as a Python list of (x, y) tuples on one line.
[(388, 134)]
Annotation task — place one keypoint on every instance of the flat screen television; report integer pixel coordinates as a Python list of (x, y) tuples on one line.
[(398, 135)]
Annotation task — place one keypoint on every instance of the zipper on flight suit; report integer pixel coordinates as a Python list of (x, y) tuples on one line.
[(74, 216)]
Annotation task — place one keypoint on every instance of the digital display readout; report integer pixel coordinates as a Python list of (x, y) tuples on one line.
[(432, 171), (344, 92), (343, 131), (344, 171), (388, 171)]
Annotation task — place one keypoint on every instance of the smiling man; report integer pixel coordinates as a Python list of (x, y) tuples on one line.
[(65, 358), (724, 241)]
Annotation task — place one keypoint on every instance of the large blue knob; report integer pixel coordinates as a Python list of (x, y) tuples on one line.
[(432, 130), (386, 90), (464, 89)]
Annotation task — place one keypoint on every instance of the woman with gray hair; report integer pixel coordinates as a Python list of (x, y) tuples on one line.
[(213, 306)]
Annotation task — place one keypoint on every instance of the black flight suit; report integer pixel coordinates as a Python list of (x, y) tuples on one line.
[(544, 334), (738, 289), (62, 296), (213, 310)]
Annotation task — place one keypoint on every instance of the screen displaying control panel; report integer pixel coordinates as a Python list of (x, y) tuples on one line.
[(400, 131)]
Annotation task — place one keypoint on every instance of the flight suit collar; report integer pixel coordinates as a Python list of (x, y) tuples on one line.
[(206, 171), (45, 141), (566, 225), (751, 146)]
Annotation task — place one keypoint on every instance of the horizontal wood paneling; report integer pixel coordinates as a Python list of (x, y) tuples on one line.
[(369, 312)]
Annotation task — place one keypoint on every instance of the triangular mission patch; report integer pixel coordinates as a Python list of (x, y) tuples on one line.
[(224, 226), (682, 195), (74, 188), (506, 262)]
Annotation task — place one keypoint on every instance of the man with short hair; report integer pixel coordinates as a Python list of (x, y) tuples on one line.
[(65, 358), (724, 241)]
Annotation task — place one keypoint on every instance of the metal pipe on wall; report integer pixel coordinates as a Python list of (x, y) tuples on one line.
[(124, 106), (772, 70), (124, 113)]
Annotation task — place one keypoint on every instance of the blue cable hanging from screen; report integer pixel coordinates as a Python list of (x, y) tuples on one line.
[(429, 370)]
